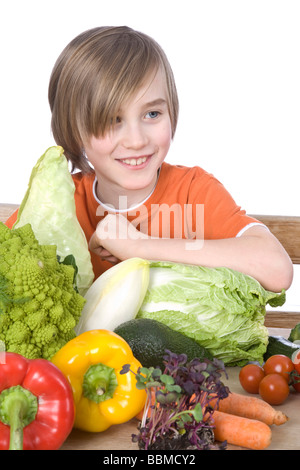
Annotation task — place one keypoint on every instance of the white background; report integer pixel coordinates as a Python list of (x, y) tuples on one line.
[(237, 68)]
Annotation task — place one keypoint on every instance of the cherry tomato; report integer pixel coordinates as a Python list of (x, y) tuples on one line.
[(296, 360), (274, 389), (250, 377), (295, 376), (296, 385), (279, 364)]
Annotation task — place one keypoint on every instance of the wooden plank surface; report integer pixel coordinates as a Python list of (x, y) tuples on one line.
[(284, 437), (287, 230), (282, 319)]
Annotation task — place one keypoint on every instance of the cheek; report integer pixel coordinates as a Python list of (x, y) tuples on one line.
[(165, 136), (96, 149)]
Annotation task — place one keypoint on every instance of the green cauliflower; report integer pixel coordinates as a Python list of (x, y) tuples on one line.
[(39, 303)]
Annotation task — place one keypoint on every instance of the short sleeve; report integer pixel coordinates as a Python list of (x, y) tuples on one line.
[(12, 219), (222, 217)]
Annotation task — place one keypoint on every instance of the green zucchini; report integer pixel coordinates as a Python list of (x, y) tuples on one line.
[(280, 345)]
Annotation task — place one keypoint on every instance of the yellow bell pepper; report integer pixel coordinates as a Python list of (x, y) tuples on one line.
[(92, 363)]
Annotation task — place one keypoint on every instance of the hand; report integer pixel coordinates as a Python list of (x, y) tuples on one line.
[(115, 238)]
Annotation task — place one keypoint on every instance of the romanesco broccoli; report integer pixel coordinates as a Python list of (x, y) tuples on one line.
[(39, 303)]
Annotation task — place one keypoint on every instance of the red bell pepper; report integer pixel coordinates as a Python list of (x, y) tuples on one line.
[(36, 404)]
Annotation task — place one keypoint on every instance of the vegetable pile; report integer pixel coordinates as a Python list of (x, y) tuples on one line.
[(222, 309), (39, 305)]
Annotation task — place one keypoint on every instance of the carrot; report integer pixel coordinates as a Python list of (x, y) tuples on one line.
[(139, 416), (242, 432), (253, 408)]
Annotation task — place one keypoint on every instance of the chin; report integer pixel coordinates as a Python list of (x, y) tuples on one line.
[(138, 184)]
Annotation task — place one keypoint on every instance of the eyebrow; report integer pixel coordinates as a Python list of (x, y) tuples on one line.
[(157, 102)]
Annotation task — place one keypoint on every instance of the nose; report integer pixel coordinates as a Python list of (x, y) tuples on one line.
[(134, 136)]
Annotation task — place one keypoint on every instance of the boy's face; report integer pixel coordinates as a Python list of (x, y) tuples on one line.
[(127, 158)]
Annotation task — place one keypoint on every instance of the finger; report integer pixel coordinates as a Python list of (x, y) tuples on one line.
[(102, 252), (98, 251), (112, 259), (94, 243), (105, 255)]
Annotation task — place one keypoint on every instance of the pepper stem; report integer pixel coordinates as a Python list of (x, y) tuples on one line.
[(99, 383), (18, 407)]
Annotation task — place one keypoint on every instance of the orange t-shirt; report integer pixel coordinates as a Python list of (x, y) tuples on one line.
[(186, 203)]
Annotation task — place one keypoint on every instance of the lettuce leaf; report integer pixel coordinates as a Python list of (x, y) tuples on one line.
[(222, 309), (49, 207)]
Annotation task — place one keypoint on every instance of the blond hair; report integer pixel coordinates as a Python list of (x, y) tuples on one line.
[(96, 72)]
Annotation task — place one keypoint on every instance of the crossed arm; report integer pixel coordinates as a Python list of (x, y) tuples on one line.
[(256, 252)]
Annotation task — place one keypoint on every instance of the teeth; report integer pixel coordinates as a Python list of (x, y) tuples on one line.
[(135, 161)]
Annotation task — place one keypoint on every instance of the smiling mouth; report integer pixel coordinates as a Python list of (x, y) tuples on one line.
[(135, 161)]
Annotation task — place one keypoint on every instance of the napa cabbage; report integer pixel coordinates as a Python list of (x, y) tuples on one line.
[(222, 309)]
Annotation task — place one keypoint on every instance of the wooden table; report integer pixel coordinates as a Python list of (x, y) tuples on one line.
[(284, 437)]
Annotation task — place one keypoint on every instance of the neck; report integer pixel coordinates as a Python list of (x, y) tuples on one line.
[(123, 200)]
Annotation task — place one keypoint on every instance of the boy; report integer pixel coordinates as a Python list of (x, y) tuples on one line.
[(114, 111)]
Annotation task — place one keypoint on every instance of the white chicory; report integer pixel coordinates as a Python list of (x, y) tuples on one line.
[(116, 296)]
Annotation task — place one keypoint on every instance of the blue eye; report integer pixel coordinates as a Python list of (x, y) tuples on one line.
[(153, 114)]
